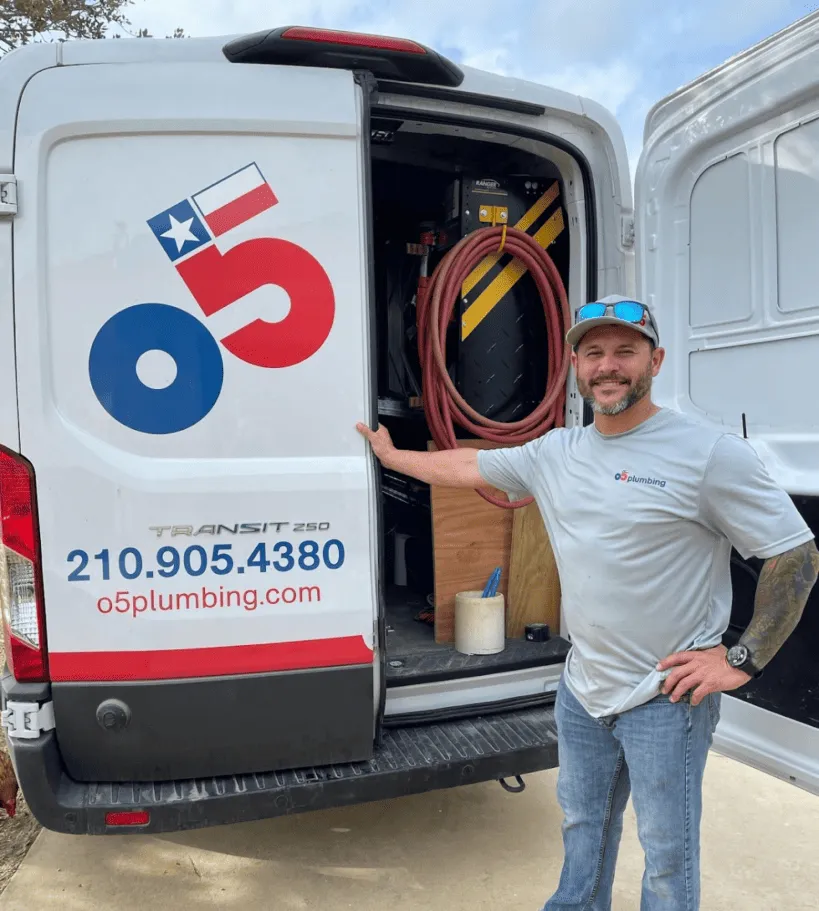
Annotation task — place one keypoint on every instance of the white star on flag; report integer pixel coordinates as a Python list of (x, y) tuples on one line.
[(180, 232)]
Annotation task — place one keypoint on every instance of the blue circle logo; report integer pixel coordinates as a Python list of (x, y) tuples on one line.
[(122, 341)]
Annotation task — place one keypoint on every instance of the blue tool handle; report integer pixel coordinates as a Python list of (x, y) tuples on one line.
[(492, 585)]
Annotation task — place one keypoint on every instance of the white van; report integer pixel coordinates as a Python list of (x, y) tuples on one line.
[(210, 252)]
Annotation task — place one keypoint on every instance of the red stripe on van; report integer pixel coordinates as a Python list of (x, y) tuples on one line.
[(209, 662)]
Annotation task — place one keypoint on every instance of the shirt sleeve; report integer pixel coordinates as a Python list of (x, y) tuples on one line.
[(512, 469), (740, 500)]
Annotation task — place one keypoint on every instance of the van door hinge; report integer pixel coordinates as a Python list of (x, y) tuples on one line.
[(627, 231), (8, 194), (27, 720), (368, 83)]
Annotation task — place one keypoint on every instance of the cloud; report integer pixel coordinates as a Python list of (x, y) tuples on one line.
[(625, 54)]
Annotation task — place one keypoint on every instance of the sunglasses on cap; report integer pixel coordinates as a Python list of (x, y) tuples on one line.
[(628, 311)]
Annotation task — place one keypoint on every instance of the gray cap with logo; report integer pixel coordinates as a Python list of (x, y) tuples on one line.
[(630, 316)]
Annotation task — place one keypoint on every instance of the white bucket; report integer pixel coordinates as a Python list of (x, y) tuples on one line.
[(480, 624)]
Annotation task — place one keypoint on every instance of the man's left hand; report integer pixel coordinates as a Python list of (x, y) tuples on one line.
[(704, 672)]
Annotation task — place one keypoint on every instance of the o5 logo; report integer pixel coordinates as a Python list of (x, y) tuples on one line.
[(215, 280)]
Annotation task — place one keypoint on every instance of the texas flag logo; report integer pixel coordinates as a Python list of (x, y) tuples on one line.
[(212, 212)]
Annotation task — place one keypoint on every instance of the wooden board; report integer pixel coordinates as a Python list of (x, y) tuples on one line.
[(470, 538), (534, 585)]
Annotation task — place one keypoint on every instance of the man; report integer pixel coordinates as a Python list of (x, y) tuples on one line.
[(642, 508)]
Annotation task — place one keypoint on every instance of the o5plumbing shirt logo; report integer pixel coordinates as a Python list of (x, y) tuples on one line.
[(186, 232), (628, 477)]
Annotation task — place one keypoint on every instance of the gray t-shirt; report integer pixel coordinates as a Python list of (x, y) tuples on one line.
[(642, 524)]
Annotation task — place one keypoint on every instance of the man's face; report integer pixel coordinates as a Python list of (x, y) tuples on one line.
[(615, 367)]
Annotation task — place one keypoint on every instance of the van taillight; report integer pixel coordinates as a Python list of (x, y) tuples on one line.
[(353, 39), (128, 818), (21, 581)]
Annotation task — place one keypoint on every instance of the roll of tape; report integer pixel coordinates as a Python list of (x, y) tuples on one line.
[(537, 632)]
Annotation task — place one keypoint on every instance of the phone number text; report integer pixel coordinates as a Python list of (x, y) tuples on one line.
[(196, 560)]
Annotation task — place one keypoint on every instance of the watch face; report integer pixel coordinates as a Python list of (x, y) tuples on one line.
[(737, 655)]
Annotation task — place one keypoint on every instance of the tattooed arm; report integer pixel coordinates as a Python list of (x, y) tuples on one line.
[(785, 584), (740, 501)]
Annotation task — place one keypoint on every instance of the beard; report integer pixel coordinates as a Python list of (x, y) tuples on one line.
[(635, 392)]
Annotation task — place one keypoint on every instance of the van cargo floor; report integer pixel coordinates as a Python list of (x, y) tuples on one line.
[(408, 760), (413, 655)]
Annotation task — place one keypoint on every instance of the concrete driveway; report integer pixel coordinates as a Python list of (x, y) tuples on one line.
[(473, 848)]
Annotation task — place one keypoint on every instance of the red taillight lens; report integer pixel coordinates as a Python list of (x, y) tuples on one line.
[(16, 507), (128, 818), (25, 662), (353, 39), (21, 587)]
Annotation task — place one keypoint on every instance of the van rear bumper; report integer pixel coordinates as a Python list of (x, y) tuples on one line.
[(408, 760)]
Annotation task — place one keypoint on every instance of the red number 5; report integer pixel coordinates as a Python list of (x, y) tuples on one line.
[(217, 280)]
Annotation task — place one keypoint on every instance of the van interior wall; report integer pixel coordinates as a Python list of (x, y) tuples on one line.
[(425, 182), (789, 686)]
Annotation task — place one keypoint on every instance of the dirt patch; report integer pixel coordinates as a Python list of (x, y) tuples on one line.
[(16, 835)]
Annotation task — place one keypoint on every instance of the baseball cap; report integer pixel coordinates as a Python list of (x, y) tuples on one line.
[(614, 310)]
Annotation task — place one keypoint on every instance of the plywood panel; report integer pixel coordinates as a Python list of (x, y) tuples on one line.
[(470, 538), (534, 585)]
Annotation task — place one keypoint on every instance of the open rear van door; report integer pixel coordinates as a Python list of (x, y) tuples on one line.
[(193, 336), (727, 211)]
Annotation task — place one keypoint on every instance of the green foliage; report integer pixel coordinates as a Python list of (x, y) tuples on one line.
[(26, 21)]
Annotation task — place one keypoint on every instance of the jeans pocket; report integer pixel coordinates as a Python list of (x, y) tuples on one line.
[(714, 702)]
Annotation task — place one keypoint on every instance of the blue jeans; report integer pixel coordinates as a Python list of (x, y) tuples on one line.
[(655, 752)]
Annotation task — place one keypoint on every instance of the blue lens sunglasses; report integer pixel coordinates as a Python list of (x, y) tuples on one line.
[(628, 311)]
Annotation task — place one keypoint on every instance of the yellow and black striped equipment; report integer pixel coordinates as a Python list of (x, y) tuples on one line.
[(502, 344)]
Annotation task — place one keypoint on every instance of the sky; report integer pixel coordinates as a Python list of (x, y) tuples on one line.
[(625, 54)]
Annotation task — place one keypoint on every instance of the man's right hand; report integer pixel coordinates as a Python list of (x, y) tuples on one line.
[(380, 440), (447, 468)]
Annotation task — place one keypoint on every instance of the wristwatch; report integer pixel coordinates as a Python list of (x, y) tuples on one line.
[(740, 658)]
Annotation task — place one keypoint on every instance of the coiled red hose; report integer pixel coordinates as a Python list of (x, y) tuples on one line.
[(437, 298)]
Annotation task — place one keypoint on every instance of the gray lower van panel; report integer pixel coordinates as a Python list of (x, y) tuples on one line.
[(215, 726)]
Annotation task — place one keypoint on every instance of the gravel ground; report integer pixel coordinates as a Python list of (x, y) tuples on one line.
[(16, 837)]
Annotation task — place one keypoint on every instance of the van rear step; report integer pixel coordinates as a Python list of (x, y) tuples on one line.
[(409, 760), (437, 663)]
